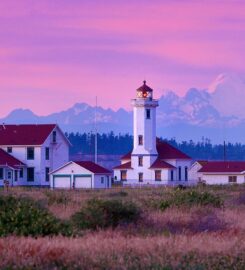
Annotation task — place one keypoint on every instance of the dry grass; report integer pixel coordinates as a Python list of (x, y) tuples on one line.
[(204, 237), (110, 250)]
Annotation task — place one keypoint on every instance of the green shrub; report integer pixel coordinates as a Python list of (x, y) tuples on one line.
[(188, 198), (196, 198), (105, 213), (23, 216)]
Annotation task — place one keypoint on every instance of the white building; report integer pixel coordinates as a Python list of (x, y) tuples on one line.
[(36, 149), (81, 174), (218, 172), (151, 161)]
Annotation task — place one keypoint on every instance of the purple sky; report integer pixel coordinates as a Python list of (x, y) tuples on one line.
[(54, 53)]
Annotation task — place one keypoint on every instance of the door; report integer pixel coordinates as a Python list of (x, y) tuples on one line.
[(83, 181), (62, 181)]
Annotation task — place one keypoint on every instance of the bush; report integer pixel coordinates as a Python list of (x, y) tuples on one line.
[(189, 198), (196, 198), (23, 216), (105, 213)]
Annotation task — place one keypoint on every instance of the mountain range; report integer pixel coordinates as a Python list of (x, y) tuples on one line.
[(216, 113)]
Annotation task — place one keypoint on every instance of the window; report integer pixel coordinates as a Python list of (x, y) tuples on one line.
[(172, 175), (186, 173), (30, 174), (158, 175), (9, 150), (232, 179), (102, 180), (9, 175), (179, 173), (141, 177), (47, 153), (30, 153), (140, 161), (1, 173), (148, 114), (140, 140), (15, 175), (21, 173), (123, 175), (47, 174), (54, 136)]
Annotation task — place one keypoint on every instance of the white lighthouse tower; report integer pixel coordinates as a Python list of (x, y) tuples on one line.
[(151, 161), (144, 151)]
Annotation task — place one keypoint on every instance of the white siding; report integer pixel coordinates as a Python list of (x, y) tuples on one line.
[(221, 179)]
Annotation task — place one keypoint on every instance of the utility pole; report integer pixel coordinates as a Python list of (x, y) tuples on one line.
[(96, 136), (224, 151)]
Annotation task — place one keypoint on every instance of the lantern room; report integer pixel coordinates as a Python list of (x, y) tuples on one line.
[(144, 92)]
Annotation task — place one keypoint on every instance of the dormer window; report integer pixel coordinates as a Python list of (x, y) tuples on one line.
[(54, 139)]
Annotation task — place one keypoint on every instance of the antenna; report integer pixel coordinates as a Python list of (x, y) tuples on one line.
[(95, 137), (224, 151)]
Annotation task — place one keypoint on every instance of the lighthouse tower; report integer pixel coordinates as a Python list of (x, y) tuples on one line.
[(144, 151)]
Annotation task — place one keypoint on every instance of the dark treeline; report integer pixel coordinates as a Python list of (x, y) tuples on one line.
[(121, 144)]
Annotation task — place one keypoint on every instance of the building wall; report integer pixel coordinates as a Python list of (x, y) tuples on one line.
[(20, 152), (194, 175), (145, 127), (148, 177), (221, 179), (58, 154), (149, 174)]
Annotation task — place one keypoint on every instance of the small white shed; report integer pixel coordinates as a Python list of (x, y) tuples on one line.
[(80, 174)]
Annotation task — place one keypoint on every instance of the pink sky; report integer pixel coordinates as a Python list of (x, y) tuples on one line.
[(54, 53)]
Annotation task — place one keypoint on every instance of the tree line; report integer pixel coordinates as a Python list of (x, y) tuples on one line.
[(119, 144)]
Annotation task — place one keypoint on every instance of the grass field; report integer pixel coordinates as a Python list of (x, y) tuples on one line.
[(198, 228)]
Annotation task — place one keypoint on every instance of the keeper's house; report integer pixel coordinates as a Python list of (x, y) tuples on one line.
[(81, 174), (218, 172), (28, 153)]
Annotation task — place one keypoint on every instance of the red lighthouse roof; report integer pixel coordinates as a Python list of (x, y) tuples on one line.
[(144, 88)]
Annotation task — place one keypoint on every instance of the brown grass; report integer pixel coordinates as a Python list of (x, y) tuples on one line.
[(211, 237), (110, 250)]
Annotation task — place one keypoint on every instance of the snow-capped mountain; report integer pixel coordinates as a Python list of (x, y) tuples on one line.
[(216, 113), (228, 94)]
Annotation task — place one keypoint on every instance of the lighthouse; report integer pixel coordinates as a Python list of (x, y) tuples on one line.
[(144, 110), (151, 161)]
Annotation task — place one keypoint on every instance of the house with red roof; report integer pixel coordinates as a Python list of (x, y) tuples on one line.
[(28, 153), (151, 161), (218, 172), (81, 174)]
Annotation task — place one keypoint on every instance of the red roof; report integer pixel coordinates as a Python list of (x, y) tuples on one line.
[(145, 88), (24, 134), (160, 164), (165, 151), (92, 167), (126, 165), (223, 166), (8, 160), (127, 156)]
